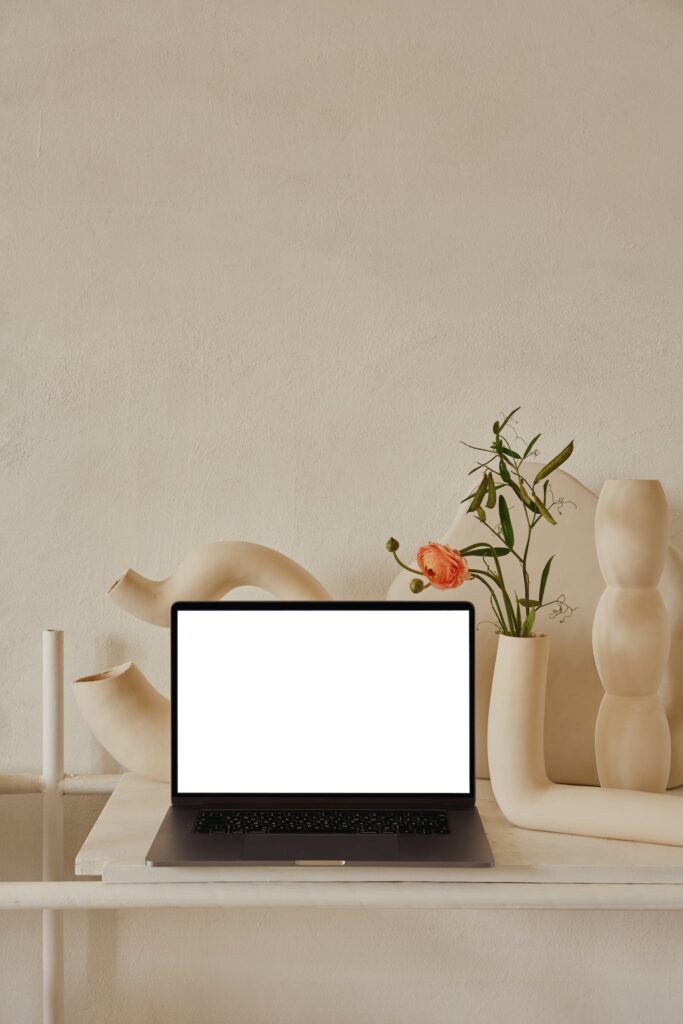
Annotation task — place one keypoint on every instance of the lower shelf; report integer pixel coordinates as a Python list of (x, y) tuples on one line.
[(351, 895)]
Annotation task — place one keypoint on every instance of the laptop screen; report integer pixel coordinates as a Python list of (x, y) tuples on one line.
[(322, 699)]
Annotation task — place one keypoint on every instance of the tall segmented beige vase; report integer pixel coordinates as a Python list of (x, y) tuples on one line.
[(631, 636)]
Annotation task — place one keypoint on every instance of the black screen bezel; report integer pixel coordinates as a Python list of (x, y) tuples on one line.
[(318, 799)]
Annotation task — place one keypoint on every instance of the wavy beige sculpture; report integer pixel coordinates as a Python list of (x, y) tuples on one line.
[(672, 690), (632, 636), (209, 573), (129, 717), (519, 779)]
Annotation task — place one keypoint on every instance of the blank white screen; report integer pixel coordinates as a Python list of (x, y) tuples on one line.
[(328, 701)]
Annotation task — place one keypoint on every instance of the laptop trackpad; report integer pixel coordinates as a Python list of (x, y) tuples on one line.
[(301, 848)]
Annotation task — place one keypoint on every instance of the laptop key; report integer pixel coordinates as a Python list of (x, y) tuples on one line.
[(317, 822)]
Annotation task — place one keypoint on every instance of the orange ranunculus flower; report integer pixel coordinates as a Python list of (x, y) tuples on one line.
[(444, 567)]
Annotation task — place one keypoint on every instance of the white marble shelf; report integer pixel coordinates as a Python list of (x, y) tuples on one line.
[(549, 869)]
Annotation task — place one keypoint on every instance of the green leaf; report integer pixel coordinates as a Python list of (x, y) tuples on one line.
[(544, 511), (510, 452), (474, 447), (491, 499), (481, 514), (508, 418), (528, 603), (483, 551), (528, 623), (505, 522), (516, 491), (544, 579), (514, 620), (551, 466), (530, 445), (524, 495), (479, 494)]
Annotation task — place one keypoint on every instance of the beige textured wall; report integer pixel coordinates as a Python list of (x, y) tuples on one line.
[(267, 262)]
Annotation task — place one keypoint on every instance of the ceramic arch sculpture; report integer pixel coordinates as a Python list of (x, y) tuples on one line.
[(128, 715), (209, 573)]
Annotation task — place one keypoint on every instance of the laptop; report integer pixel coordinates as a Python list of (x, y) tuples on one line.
[(322, 733)]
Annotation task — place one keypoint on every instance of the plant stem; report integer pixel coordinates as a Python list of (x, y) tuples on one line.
[(495, 606), (415, 572), (522, 482)]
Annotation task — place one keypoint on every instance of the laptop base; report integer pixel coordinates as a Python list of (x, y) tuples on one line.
[(176, 845)]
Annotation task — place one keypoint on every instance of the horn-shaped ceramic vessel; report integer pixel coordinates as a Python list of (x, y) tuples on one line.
[(209, 573), (129, 717), (126, 713)]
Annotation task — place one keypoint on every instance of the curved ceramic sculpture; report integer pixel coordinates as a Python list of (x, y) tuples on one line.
[(574, 689), (129, 717), (209, 573), (631, 636), (672, 684), (519, 779), (127, 714)]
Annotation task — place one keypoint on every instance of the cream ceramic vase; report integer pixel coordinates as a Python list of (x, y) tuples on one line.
[(631, 636), (519, 780), (517, 721)]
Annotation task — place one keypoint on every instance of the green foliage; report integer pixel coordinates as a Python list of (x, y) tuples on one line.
[(506, 522), (504, 485), (544, 579), (479, 494), (554, 463)]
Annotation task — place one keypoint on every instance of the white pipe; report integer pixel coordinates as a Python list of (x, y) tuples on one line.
[(53, 821), (208, 573), (53, 965), (349, 895), (53, 706), (89, 785), (18, 784)]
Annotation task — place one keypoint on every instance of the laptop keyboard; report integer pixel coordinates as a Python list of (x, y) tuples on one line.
[(310, 822)]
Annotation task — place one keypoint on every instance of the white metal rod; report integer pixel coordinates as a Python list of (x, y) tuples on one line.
[(82, 785), (53, 964), (349, 895), (89, 785), (53, 706), (53, 821), (20, 782)]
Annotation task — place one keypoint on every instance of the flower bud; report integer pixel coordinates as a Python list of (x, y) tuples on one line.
[(416, 586), (392, 544)]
